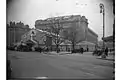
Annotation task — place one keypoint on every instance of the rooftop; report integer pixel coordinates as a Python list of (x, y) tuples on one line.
[(62, 19), (92, 32), (108, 39)]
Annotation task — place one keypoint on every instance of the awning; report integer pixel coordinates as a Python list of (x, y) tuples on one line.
[(108, 39)]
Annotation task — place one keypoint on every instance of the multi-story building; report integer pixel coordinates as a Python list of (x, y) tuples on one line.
[(65, 21), (43, 31), (15, 31), (80, 22), (109, 42)]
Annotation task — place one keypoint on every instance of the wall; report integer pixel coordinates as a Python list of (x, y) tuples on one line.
[(40, 37), (92, 37), (14, 34), (71, 21), (80, 22)]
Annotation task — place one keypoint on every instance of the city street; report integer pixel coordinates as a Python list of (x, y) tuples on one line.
[(35, 64)]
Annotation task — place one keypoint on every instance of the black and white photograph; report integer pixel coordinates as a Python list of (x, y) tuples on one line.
[(60, 39)]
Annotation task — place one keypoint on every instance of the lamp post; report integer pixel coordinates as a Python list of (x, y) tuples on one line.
[(102, 10)]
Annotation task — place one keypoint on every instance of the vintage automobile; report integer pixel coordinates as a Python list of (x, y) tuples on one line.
[(97, 52)]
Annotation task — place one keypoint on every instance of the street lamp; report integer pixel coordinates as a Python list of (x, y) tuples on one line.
[(102, 10)]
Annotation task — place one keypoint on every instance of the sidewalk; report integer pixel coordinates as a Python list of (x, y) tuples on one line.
[(60, 53), (109, 57), (89, 54)]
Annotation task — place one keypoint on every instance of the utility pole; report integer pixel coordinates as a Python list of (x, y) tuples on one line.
[(102, 10)]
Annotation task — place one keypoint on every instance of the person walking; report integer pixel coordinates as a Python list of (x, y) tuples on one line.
[(103, 55), (81, 50), (106, 51), (87, 49), (40, 50)]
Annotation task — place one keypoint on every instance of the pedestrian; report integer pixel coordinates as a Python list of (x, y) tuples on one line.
[(103, 54), (103, 51), (96, 51), (47, 49), (81, 49), (40, 50), (106, 51), (87, 49)]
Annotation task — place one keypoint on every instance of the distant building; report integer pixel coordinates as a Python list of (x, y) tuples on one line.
[(108, 39), (43, 33), (39, 37), (109, 42), (85, 33), (15, 31)]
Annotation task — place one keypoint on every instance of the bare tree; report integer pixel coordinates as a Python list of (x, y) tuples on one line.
[(56, 29), (72, 34)]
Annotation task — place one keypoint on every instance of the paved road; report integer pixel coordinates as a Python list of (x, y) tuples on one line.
[(34, 64)]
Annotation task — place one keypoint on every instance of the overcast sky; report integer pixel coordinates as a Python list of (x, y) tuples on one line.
[(28, 11)]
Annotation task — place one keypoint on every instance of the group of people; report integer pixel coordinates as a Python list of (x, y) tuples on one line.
[(103, 51), (106, 51)]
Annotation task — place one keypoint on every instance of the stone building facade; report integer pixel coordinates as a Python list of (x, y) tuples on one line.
[(15, 31), (43, 32), (80, 22)]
